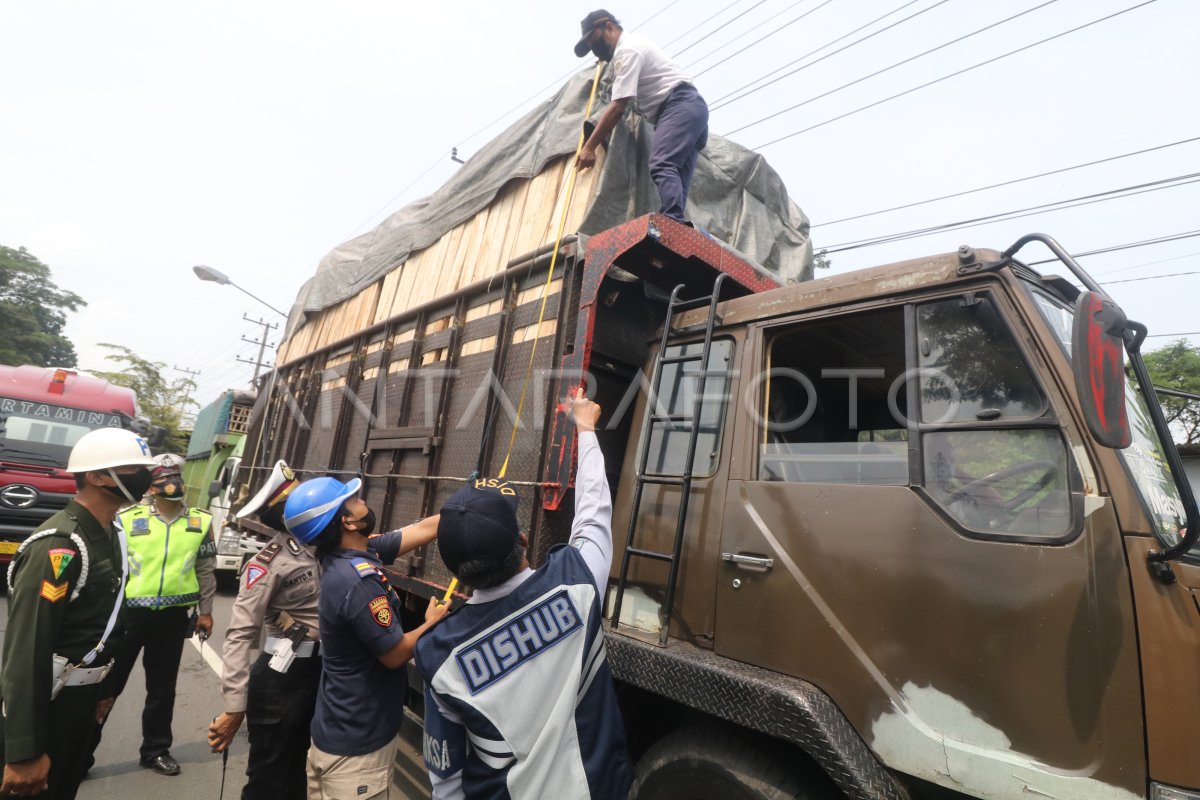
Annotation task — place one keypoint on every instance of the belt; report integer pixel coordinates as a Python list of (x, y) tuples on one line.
[(67, 674), (306, 649)]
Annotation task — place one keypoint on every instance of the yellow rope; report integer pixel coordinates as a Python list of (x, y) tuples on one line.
[(562, 223)]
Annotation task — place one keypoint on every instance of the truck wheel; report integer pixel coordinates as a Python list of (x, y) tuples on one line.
[(710, 764)]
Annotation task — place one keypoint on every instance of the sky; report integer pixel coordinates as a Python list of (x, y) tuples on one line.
[(140, 139)]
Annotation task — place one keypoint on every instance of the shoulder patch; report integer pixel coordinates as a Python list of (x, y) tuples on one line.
[(60, 559), (254, 573), (53, 591), (293, 546), (267, 553), (363, 567), (381, 611)]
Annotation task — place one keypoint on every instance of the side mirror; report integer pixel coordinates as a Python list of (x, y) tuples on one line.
[(1098, 362), (214, 489)]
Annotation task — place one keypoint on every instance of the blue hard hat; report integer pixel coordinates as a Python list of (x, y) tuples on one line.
[(312, 505)]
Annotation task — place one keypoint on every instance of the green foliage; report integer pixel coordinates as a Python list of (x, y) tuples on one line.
[(164, 402), (1177, 366), (821, 261), (33, 312)]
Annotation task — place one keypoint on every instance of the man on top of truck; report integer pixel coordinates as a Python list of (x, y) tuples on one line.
[(537, 723), (665, 96)]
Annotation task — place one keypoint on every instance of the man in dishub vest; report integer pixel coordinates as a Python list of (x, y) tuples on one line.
[(171, 571)]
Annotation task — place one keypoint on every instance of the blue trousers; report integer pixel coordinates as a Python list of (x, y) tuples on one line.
[(679, 135)]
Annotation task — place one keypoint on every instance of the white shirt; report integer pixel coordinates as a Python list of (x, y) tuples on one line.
[(644, 72)]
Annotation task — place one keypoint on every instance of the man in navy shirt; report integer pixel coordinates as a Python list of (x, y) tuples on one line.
[(360, 702), (519, 699)]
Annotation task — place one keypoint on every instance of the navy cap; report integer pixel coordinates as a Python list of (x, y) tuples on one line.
[(589, 24), (479, 523)]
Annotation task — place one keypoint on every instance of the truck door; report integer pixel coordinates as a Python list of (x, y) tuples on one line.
[(917, 532), (658, 513)]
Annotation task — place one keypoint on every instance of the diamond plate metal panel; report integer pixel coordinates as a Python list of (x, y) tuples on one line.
[(785, 708)]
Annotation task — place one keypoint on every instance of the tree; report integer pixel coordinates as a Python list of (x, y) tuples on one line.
[(164, 402), (821, 260), (33, 312), (1177, 366)]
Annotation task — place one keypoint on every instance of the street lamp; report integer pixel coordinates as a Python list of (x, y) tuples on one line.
[(216, 276)]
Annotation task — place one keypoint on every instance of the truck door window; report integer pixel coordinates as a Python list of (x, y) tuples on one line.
[(833, 410), (1000, 481), (990, 477), (970, 366), (676, 392)]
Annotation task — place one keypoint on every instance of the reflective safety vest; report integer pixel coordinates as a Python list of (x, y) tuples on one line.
[(162, 557)]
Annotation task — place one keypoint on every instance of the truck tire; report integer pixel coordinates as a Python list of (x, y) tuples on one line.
[(710, 764)]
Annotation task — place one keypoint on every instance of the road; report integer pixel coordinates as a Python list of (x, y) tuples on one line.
[(117, 775)]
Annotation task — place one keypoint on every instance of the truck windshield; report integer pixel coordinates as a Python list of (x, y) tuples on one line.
[(42, 433), (1144, 458)]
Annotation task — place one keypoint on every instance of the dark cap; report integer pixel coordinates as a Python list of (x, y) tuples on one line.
[(590, 23), (479, 523)]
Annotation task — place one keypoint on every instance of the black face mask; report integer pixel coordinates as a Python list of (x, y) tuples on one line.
[(170, 488), (365, 523), (135, 484), (602, 50)]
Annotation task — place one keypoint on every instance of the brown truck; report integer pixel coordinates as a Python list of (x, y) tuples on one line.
[(906, 532)]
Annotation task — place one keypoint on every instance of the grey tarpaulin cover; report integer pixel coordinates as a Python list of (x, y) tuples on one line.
[(735, 194)]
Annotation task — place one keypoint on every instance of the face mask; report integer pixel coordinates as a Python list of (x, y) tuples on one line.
[(366, 523), (602, 50), (130, 487), (170, 489)]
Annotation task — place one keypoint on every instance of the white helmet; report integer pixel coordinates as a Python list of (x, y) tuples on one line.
[(109, 447)]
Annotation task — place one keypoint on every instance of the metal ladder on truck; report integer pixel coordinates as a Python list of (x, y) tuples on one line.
[(684, 479)]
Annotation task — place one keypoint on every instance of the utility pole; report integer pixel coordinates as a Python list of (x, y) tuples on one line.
[(187, 395), (191, 373), (262, 345)]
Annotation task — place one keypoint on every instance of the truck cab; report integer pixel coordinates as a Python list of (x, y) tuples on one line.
[(905, 549), (43, 412)]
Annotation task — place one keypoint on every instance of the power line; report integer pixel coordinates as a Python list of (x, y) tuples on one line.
[(1150, 278), (891, 67), (953, 74), (714, 30), (1186, 333), (746, 32), (1149, 263), (702, 23), (761, 38), (720, 101), (1171, 237), (1009, 182), (1058, 205)]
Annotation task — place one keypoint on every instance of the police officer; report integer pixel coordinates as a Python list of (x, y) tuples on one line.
[(64, 602), (276, 693), (360, 703), (171, 572), (519, 699)]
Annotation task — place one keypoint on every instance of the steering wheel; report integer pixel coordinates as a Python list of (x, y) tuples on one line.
[(1010, 506)]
